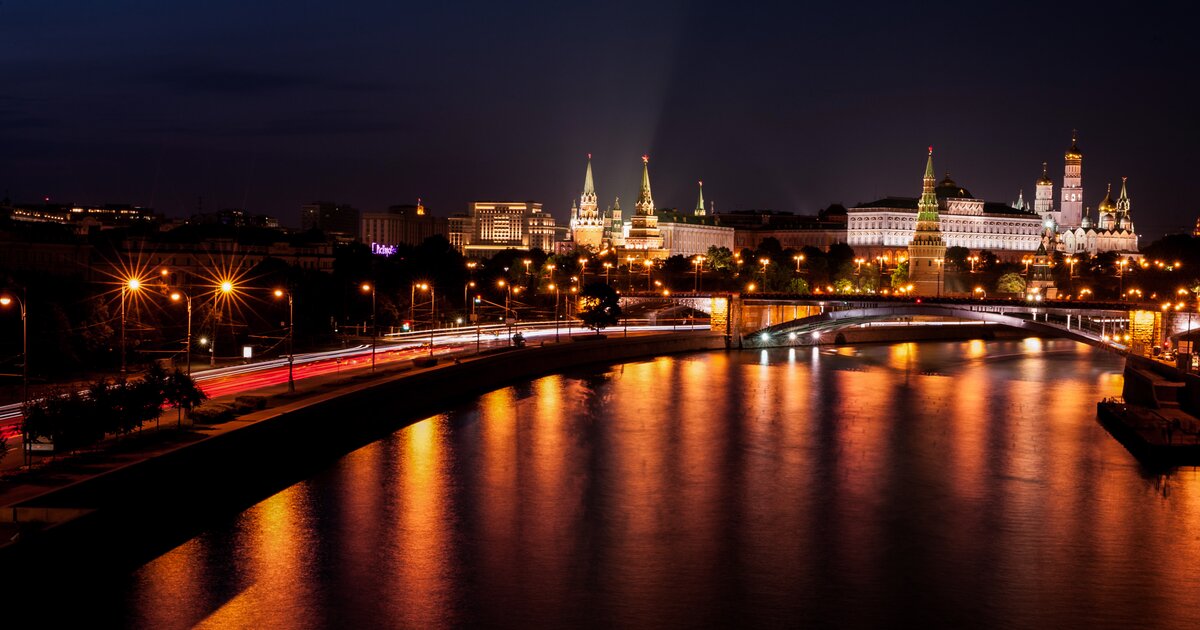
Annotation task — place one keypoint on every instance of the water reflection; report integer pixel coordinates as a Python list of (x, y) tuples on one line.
[(962, 484)]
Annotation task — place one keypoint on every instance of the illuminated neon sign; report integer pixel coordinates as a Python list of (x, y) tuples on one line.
[(379, 249)]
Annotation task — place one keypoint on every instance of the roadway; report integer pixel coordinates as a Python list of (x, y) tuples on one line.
[(241, 379)]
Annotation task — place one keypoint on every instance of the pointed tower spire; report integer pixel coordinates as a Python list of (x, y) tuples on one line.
[(645, 200), (588, 187), (700, 201), (643, 229)]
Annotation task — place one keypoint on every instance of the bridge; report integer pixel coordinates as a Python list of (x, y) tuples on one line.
[(772, 320)]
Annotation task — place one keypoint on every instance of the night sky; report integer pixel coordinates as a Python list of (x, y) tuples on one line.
[(268, 105)]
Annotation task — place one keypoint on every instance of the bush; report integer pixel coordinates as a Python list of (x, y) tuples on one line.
[(212, 413)]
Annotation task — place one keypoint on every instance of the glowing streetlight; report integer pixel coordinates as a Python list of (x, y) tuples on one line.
[(6, 300), (370, 288), (799, 258), (291, 327), (187, 340), (130, 285)]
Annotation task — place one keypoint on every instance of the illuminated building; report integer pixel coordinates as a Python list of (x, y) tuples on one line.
[(885, 226), (1112, 232), (402, 225), (494, 226), (926, 249)]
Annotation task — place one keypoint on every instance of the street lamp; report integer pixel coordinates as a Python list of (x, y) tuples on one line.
[(649, 264), (5, 301), (799, 258), (527, 263), (425, 286), (698, 261), (859, 262), (224, 288), (291, 328), (187, 340), (1121, 264), (134, 285), (554, 287), (973, 260), (365, 288), (629, 268), (607, 267), (980, 292), (582, 270)]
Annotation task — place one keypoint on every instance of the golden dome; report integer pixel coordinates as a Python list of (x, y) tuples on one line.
[(1044, 180), (1107, 205), (1074, 153)]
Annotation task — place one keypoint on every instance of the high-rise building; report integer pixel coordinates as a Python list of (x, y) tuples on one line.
[(1071, 207), (587, 226), (927, 250), (643, 229)]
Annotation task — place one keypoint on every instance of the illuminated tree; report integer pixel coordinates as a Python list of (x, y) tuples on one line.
[(1010, 283), (599, 306)]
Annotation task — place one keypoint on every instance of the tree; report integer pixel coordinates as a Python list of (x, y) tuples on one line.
[(1010, 283), (798, 286), (900, 275), (956, 258), (720, 259), (843, 286), (182, 393), (599, 306)]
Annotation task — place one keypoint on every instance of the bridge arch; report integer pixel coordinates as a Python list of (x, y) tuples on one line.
[(810, 330)]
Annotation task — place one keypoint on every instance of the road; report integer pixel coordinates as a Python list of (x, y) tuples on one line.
[(236, 379)]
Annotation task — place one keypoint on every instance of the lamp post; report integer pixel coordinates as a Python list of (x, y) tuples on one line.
[(132, 284), (187, 340), (698, 261), (649, 264), (582, 271), (425, 286), (5, 301), (973, 260), (223, 289), (607, 267), (554, 287), (629, 268), (799, 258), (291, 328), (368, 287)]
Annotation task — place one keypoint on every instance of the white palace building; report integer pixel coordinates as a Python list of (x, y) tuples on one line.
[(1010, 231)]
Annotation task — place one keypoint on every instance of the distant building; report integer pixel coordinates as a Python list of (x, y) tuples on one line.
[(886, 226), (82, 218), (793, 231), (494, 226), (402, 225), (1113, 232), (335, 219), (690, 235), (459, 228), (927, 248), (236, 218)]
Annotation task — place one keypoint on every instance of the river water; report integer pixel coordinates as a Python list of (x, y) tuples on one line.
[(962, 484)]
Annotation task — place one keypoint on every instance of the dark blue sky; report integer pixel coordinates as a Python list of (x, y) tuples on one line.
[(792, 106)]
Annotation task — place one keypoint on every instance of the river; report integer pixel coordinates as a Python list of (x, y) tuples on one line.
[(960, 484)]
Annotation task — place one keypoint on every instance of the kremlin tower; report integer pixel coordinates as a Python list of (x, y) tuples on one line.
[(1043, 199), (1071, 208), (643, 232), (587, 227), (927, 249)]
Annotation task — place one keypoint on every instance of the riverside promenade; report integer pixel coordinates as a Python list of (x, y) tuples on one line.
[(123, 506)]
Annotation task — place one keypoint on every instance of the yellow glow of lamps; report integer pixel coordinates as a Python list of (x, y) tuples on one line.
[(5, 301), (226, 287), (133, 284)]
